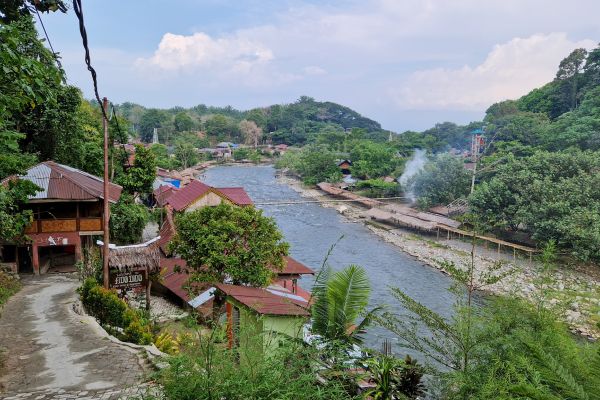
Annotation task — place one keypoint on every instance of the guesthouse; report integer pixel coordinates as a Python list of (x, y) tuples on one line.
[(67, 213)]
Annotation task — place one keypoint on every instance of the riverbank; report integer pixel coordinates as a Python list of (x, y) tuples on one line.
[(573, 292)]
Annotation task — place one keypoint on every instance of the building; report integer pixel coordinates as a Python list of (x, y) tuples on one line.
[(67, 213), (259, 318), (198, 194), (344, 166)]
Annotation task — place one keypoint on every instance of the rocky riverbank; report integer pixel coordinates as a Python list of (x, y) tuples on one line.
[(573, 292)]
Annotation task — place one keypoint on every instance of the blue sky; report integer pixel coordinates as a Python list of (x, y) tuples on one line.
[(405, 63)]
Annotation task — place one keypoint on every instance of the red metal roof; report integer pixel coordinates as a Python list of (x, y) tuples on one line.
[(175, 281), (236, 195), (262, 301), (167, 231), (294, 267), (183, 197), (162, 194), (61, 182)]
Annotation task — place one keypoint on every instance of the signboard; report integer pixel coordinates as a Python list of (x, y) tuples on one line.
[(128, 280)]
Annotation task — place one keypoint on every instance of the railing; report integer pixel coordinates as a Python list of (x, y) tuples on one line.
[(65, 225)]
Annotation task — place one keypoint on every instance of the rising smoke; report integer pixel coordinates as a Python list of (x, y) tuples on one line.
[(412, 167)]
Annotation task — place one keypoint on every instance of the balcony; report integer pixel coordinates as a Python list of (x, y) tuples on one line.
[(65, 225)]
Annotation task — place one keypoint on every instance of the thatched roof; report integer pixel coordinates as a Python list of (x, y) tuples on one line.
[(135, 257)]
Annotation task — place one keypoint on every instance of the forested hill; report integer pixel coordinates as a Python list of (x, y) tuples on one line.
[(295, 123)]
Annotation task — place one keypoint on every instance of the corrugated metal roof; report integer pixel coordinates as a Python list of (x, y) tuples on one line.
[(237, 195), (262, 301), (61, 182), (293, 267), (182, 198)]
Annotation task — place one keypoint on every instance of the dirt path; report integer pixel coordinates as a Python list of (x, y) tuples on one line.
[(49, 351)]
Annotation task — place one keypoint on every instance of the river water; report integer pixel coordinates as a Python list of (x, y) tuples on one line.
[(311, 230)]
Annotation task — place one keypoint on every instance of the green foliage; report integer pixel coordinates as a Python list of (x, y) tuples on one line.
[(161, 154), (551, 195), (151, 119), (138, 178), (442, 180), (8, 286), (339, 299), (185, 155), (112, 312), (127, 221), (529, 355), (372, 160), (379, 187), (212, 372), (241, 154), (183, 122), (395, 378), (230, 242), (313, 163), (13, 219)]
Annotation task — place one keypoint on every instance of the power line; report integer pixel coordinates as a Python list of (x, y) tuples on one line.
[(79, 13), (54, 53)]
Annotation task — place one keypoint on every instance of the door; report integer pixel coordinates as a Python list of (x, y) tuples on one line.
[(24, 257)]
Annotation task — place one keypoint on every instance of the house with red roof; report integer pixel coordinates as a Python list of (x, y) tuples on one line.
[(67, 211), (259, 318)]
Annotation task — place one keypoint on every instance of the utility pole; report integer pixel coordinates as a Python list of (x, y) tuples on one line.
[(106, 214)]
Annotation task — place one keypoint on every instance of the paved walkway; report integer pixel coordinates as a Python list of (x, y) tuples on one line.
[(49, 352)]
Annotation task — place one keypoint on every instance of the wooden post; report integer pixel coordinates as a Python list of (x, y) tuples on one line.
[(106, 216), (514, 253), (498, 248), (438, 232), (148, 287)]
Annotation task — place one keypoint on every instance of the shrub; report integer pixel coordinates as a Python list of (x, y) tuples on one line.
[(113, 312), (212, 372)]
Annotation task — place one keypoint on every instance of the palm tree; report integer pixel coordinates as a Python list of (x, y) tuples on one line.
[(340, 298)]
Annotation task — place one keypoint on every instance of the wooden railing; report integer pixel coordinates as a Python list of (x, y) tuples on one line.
[(65, 225)]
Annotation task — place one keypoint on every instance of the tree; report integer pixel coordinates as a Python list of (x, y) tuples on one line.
[(151, 119), (568, 74), (372, 160), (161, 153), (226, 242), (339, 299), (442, 180), (13, 219), (12, 10), (185, 155), (317, 164), (127, 221), (138, 179), (251, 132), (550, 195), (183, 122)]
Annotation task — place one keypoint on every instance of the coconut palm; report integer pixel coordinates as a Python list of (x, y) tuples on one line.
[(339, 299)]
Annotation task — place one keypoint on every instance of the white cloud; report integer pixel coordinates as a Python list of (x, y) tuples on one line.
[(201, 52), (509, 71)]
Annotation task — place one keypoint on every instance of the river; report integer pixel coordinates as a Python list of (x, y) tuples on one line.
[(311, 230)]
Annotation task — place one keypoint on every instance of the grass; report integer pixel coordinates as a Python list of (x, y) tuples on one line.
[(8, 287)]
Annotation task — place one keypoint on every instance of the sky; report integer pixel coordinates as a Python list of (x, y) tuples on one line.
[(404, 63)]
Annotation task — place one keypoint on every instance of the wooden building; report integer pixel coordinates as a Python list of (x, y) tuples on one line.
[(67, 213), (258, 318)]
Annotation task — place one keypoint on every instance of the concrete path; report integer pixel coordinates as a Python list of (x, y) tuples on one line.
[(47, 351)]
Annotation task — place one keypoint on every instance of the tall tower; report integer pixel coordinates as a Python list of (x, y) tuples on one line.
[(155, 136)]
